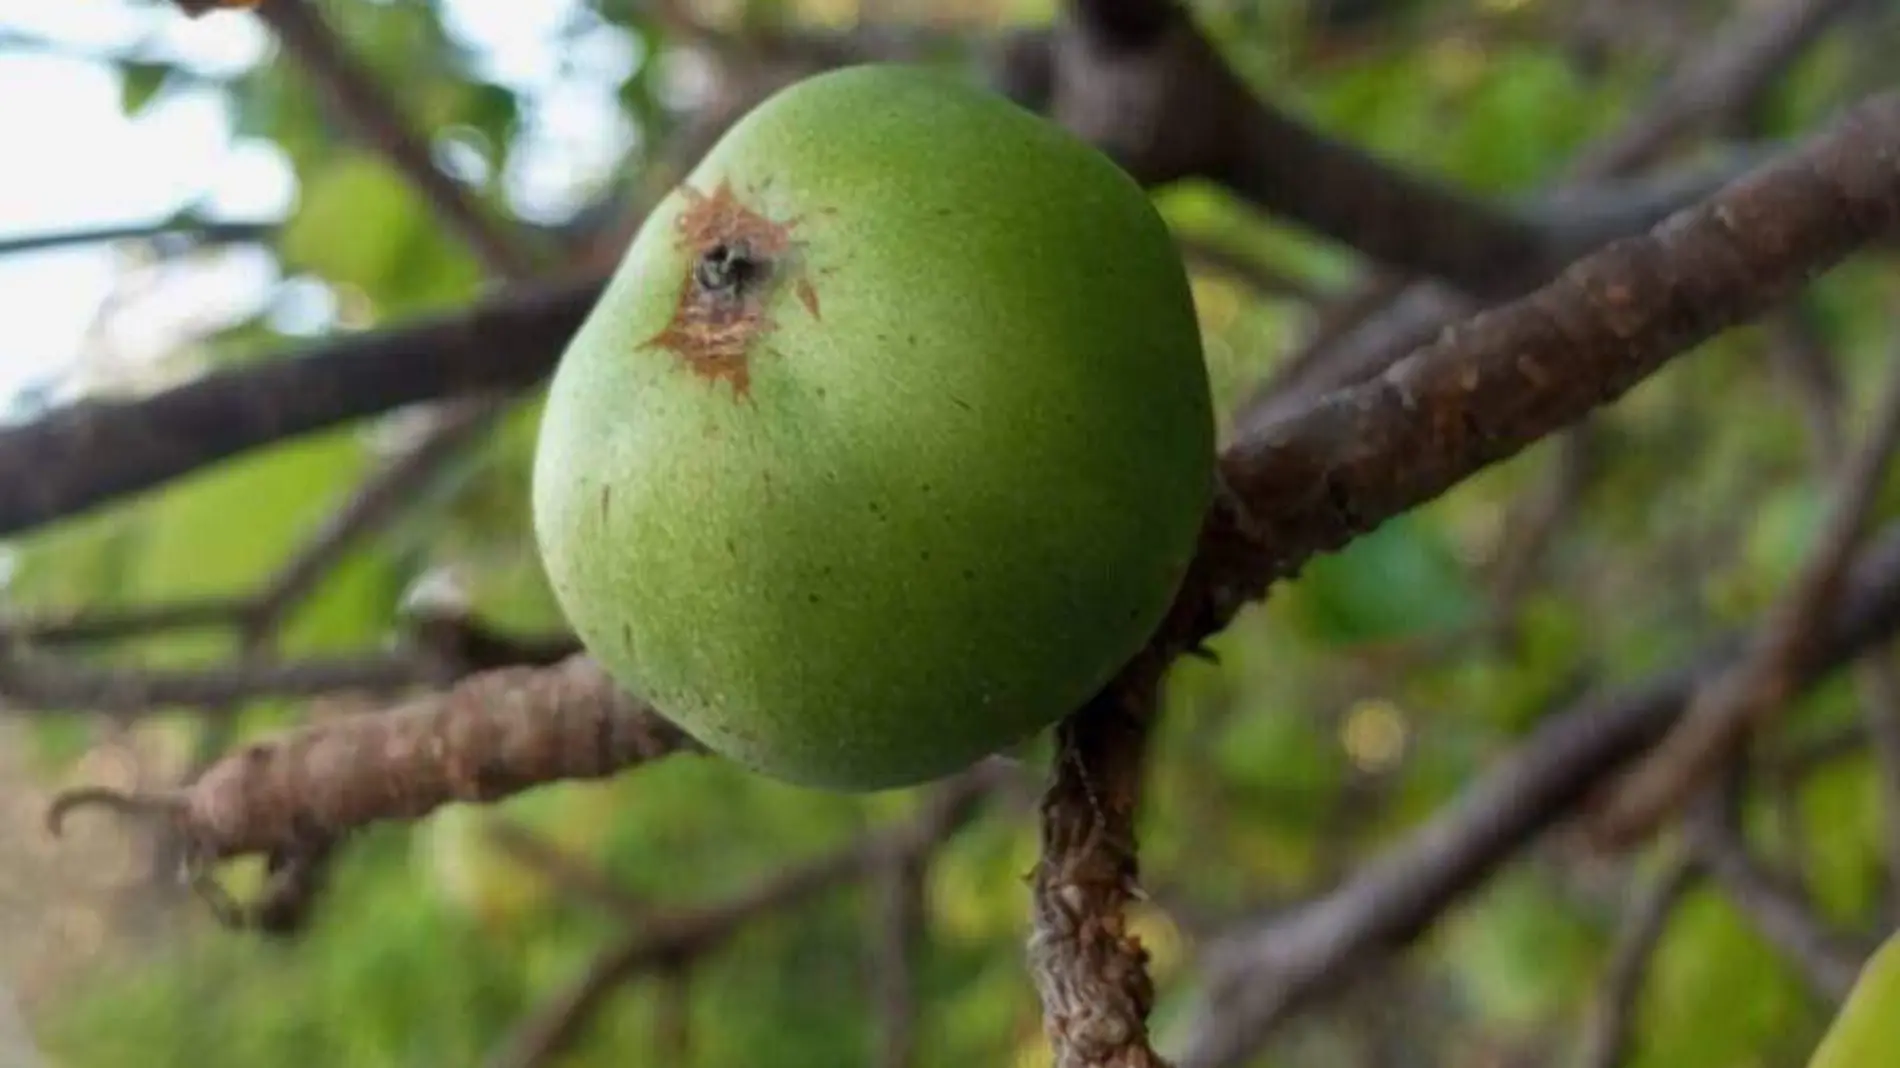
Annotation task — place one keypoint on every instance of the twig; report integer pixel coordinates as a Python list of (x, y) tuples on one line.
[(361, 104), (1784, 917), (574, 874), (1741, 700), (1607, 1033), (166, 234), (1800, 356), (898, 930), (1259, 973), (1735, 66), (669, 940), (1264, 280), (377, 500), (38, 682), (1535, 521), (110, 625)]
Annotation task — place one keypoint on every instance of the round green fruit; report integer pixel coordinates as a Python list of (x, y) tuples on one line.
[(889, 440)]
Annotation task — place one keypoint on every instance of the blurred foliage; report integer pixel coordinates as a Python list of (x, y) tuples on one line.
[(1352, 706)]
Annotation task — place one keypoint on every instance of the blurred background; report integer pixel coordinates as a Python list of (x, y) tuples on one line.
[(175, 198)]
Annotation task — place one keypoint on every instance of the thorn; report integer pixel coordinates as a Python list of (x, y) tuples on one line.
[(125, 804)]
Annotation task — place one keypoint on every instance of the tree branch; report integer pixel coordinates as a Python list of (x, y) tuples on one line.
[(1511, 375), (490, 736), (1738, 64), (1734, 67), (670, 940), (1829, 962), (166, 234), (41, 683), (1724, 713), (359, 102), (94, 452), (1090, 972), (110, 625), (1150, 90), (1305, 486), (1606, 1037), (1259, 973)]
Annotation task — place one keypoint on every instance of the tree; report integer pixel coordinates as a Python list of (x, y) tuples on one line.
[(1566, 670)]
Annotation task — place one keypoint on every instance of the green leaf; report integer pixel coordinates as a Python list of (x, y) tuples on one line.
[(1400, 581), (359, 223), (140, 83)]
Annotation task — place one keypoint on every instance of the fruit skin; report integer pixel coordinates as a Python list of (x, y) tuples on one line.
[(1866, 1033), (913, 479)]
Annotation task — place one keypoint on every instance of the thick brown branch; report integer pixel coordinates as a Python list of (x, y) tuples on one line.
[(1733, 67), (1509, 376), (490, 736), (1258, 974), (91, 453), (1165, 104)]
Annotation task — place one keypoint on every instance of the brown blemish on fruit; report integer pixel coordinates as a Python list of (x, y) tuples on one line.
[(738, 258)]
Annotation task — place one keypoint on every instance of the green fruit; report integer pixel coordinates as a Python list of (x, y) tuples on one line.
[(888, 442)]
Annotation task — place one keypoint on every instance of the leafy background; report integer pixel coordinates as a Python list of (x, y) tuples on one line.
[(1350, 707)]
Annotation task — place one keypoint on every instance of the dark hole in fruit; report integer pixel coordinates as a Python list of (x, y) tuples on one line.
[(728, 267)]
